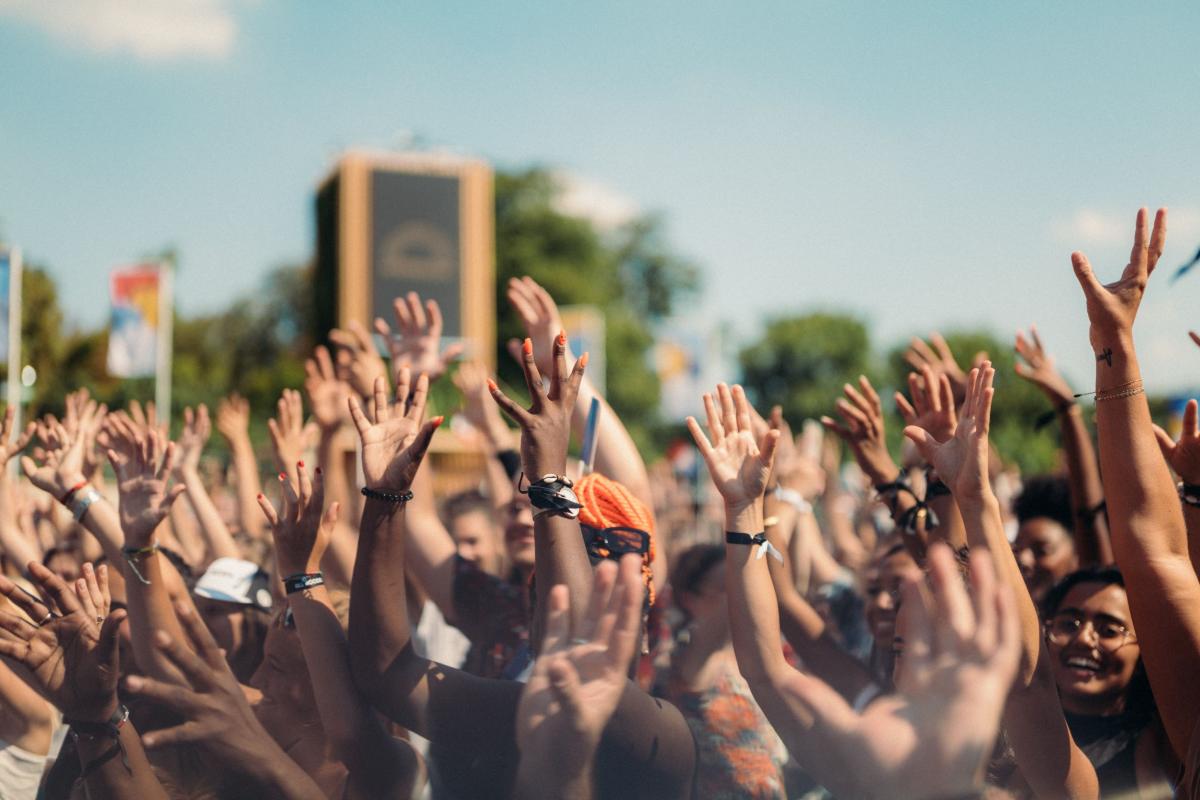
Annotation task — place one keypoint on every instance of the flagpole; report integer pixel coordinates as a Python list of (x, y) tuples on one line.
[(13, 391), (162, 368)]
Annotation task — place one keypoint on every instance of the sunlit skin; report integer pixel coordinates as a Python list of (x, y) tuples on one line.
[(475, 538), (518, 533), (883, 592), (1093, 673), (1045, 553)]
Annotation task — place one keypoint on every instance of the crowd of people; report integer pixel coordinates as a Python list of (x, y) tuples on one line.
[(819, 618)]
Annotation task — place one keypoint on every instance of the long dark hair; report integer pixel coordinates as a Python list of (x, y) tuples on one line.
[(1139, 700)]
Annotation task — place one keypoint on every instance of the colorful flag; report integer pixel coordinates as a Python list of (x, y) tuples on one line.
[(133, 332)]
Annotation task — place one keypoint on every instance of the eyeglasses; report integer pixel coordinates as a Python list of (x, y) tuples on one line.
[(1062, 628), (617, 540)]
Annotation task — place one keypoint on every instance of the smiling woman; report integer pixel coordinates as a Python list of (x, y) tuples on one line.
[(1097, 665)]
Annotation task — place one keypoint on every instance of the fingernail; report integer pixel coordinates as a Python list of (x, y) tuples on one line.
[(133, 682), (492, 385), (437, 421), (260, 496), (318, 470), (562, 338), (583, 359), (282, 477), (527, 346), (300, 464)]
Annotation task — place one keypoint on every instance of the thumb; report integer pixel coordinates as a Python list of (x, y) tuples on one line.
[(1165, 443), (564, 679), (925, 443), (110, 638)]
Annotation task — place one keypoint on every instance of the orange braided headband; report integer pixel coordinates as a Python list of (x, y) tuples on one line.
[(608, 504)]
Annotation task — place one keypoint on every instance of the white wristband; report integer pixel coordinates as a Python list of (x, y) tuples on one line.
[(81, 504), (793, 499)]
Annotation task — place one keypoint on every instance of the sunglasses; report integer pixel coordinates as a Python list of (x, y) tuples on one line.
[(618, 540)]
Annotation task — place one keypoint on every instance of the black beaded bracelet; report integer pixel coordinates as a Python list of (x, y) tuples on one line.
[(303, 580), (387, 497)]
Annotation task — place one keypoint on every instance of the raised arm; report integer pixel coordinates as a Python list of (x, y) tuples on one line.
[(545, 434), (13, 541), (379, 764), (233, 422), (216, 716), (617, 456), (327, 399), (143, 462), (196, 430), (1048, 757), (1149, 535), (577, 685), (1184, 458), (1092, 541)]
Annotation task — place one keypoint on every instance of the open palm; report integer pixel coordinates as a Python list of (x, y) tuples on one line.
[(962, 461), (394, 440), (738, 464)]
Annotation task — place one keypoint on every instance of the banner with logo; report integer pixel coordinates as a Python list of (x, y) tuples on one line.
[(133, 330)]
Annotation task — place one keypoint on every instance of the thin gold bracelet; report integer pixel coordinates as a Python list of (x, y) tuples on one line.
[(1131, 389)]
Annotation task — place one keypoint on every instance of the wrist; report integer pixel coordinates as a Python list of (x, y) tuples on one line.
[(298, 566), (744, 517), (98, 713)]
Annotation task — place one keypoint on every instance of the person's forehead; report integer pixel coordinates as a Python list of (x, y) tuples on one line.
[(1096, 598)]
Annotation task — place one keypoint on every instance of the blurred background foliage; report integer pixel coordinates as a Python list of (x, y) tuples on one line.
[(631, 273)]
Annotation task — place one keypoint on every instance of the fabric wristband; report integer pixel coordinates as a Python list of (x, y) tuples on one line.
[(760, 539), (80, 505), (793, 499), (133, 555), (303, 580), (66, 498)]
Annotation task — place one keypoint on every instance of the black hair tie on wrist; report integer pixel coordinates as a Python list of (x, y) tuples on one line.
[(760, 539), (387, 497)]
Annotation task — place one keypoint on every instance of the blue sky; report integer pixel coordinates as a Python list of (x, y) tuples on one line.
[(927, 165)]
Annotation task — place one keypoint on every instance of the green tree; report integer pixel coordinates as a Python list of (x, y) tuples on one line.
[(630, 274), (801, 362)]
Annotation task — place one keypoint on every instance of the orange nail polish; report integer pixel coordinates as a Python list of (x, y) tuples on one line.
[(282, 477), (492, 385), (562, 338), (583, 359), (528, 347), (260, 495), (437, 421), (300, 464)]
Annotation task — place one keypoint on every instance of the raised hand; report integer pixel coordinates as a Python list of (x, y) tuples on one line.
[(1113, 307), (479, 410), (1184, 455), (863, 431), (932, 405), (546, 424), (393, 438), (287, 432), (539, 315), (932, 738), (326, 394), (84, 419), (1038, 368), (61, 469), (738, 463), (416, 344), (216, 715), (578, 680), (143, 461), (233, 418), (301, 532), (197, 427), (358, 362), (9, 446), (940, 360), (70, 647), (962, 461)]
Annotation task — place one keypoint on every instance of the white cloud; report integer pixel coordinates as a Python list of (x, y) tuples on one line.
[(151, 30), (583, 197), (1093, 227)]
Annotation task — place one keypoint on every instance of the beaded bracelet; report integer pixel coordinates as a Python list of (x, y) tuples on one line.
[(387, 497)]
